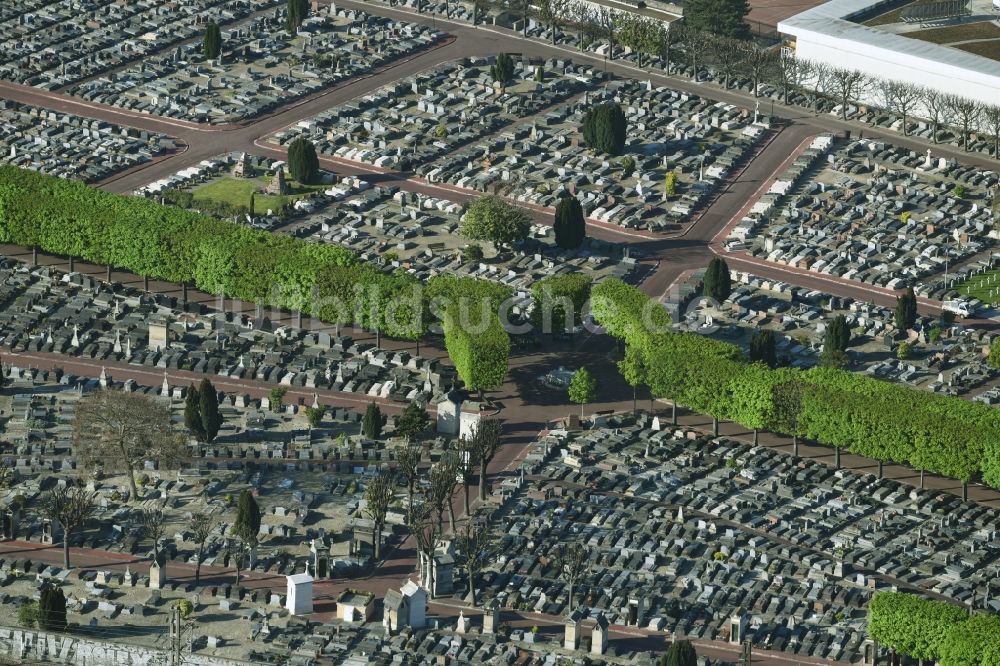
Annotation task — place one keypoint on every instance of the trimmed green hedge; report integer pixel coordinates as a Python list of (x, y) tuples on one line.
[(933, 630), (870, 417), (66, 217)]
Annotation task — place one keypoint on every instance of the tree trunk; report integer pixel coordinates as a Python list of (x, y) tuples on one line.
[(673, 410), (377, 541), (65, 549), (635, 407), (837, 456), (472, 588), (430, 573), (482, 481), (905, 133), (237, 565), (570, 597), (715, 427), (409, 507), (755, 436), (880, 465), (451, 516), (921, 479), (795, 445), (197, 566), (465, 494), (131, 483), (965, 491)]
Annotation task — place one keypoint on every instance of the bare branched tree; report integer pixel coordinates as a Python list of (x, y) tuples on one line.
[(553, 13), (444, 478), (727, 54), (424, 529), (967, 112), (991, 118), (935, 104), (71, 507), (153, 527), (848, 85), (817, 74), (202, 526), (484, 443), (475, 547), (757, 63), (408, 459), (899, 97), (115, 430), (572, 561), (378, 495)]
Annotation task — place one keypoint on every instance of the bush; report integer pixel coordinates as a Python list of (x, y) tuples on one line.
[(186, 608), (904, 351)]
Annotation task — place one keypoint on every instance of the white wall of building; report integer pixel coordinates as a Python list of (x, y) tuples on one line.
[(823, 35)]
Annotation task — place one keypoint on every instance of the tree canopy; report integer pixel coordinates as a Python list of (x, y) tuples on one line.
[(212, 44), (604, 128), (570, 223), (492, 218), (303, 162), (717, 283), (724, 18)]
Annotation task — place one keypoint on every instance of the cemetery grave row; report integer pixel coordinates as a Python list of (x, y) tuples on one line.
[(872, 212), (69, 146), (701, 537), (699, 140), (426, 116), (266, 69), (71, 314), (949, 361), (410, 231), (55, 44)]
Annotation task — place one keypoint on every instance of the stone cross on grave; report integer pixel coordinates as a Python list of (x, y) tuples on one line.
[(76, 336)]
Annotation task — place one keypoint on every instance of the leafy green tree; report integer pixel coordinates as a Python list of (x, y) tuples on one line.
[(837, 336), (904, 351), (971, 642), (212, 44), (912, 625), (192, 414), (762, 348), (787, 396), (378, 495), (628, 166), (560, 301), (314, 416), (491, 218), (303, 163), (27, 614), (296, 11), (412, 422), (906, 310), (277, 397), (481, 357), (724, 18), (570, 224), (211, 419), (633, 369), (502, 71), (372, 421), (717, 283), (680, 653), (993, 360), (604, 128), (582, 388), (52, 609)]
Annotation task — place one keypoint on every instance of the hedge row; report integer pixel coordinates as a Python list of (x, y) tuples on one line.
[(69, 218), (934, 630), (873, 418)]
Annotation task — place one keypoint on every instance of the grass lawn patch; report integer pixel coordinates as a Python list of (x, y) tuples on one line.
[(989, 49), (981, 286), (957, 33), (237, 191)]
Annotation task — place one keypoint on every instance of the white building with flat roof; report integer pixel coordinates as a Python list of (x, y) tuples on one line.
[(827, 34)]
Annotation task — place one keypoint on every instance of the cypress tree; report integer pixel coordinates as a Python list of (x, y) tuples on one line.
[(604, 128), (211, 419), (297, 11), (52, 609), (371, 423), (303, 163), (192, 414), (570, 225), (247, 523), (212, 43), (906, 310), (717, 284), (762, 348), (681, 653), (837, 335)]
